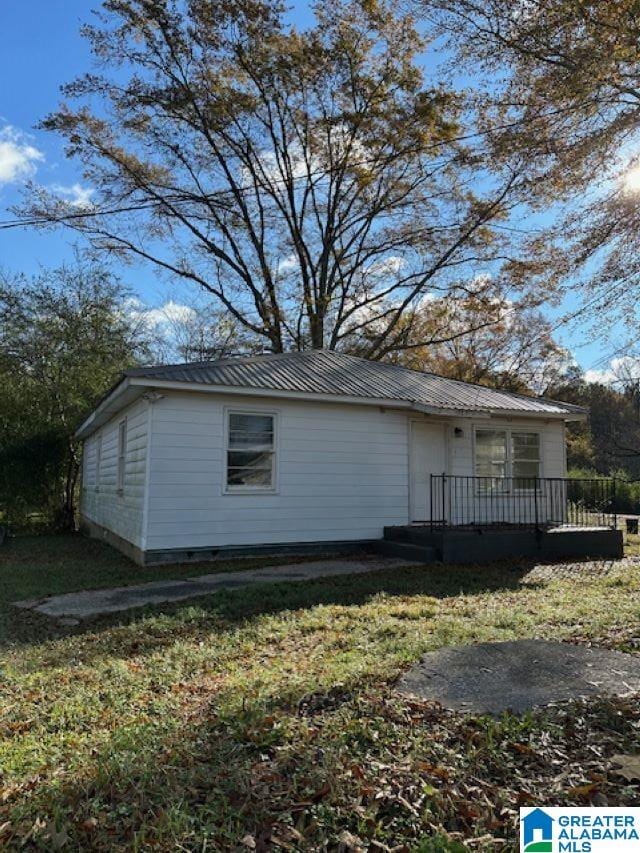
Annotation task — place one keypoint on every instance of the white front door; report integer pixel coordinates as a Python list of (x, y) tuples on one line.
[(428, 455)]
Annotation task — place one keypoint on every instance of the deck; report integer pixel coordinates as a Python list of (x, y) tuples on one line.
[(485, 544)]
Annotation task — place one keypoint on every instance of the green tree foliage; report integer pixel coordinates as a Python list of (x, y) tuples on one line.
[(64, 338), (562, 87), (609, 441), (314, 182)]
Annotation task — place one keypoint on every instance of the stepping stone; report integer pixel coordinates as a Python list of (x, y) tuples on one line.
[(489, 678)]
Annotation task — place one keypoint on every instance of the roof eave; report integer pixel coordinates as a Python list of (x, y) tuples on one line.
[(131, 387), (249, 391), (352, 399), (498, 413), (119, 397), (443, 411)]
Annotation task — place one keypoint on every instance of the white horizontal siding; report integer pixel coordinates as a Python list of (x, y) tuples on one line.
[(102, 503), (552, 443), (342, 474), (462, 504), (89, 460)]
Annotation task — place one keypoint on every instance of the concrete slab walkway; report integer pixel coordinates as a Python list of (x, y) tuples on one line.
[(490, 678), (81, 605)]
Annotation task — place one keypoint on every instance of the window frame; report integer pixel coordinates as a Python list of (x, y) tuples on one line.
[(242, 489), (121, 458), (489, 477), (513, 459), (509, 458)]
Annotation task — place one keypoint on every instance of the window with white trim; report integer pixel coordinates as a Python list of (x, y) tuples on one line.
[(491, 453), (122, 454), (525, 455), (501, 454), (251, 452)]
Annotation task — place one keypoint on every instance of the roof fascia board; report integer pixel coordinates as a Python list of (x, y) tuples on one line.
[(450, 413), (499, 413), (544, 416), (95, 418), (342, 398), (110, 405), (242, 390), (514, 414)]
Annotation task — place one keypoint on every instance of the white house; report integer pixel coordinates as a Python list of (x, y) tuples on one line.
[(185, 461)]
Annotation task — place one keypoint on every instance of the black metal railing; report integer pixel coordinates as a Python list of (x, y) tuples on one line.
[(544, 502)]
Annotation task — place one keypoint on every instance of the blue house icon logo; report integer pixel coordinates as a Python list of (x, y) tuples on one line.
[(537, 832)]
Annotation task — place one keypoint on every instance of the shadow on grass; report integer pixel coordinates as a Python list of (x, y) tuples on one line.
[(33, 567), (227, 763), (212, 779), (143, 631), (228, 770)]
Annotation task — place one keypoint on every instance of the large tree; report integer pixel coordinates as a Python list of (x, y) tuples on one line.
[(64, 339), (500, 344), (564, 80), (306, 179)]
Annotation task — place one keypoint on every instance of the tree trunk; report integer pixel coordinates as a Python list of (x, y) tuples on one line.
[(68, 514)]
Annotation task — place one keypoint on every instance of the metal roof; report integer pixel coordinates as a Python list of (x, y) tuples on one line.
[(332, 373)]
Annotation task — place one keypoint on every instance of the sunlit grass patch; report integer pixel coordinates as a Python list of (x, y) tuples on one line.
[(270, 714)]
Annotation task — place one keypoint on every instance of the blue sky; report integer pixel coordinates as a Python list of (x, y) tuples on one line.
[(40, 49)]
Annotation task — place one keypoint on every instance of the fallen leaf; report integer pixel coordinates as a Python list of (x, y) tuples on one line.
[(58, 839), (629, 766), (433, 770), (322, 793), (524, 797), (523, 749), (350, 843), (584, 792)]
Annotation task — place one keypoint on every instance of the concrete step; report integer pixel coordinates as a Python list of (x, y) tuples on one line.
[(414, 535), (421, 553)]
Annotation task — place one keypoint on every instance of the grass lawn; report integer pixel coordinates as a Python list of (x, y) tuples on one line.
[(266, 719)]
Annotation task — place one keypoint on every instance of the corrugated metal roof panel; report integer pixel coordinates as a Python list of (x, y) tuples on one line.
[(328, 372)]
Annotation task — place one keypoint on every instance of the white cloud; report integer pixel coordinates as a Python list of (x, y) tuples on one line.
[(619, 370), (604, 377), (167, 315), (76, 195), (389, 266), (18, 157), (288, 264), (314, 165)]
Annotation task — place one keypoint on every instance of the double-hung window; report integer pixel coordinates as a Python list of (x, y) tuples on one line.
[(491, 454), (507, 458), (250, 452), (525, 458)]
